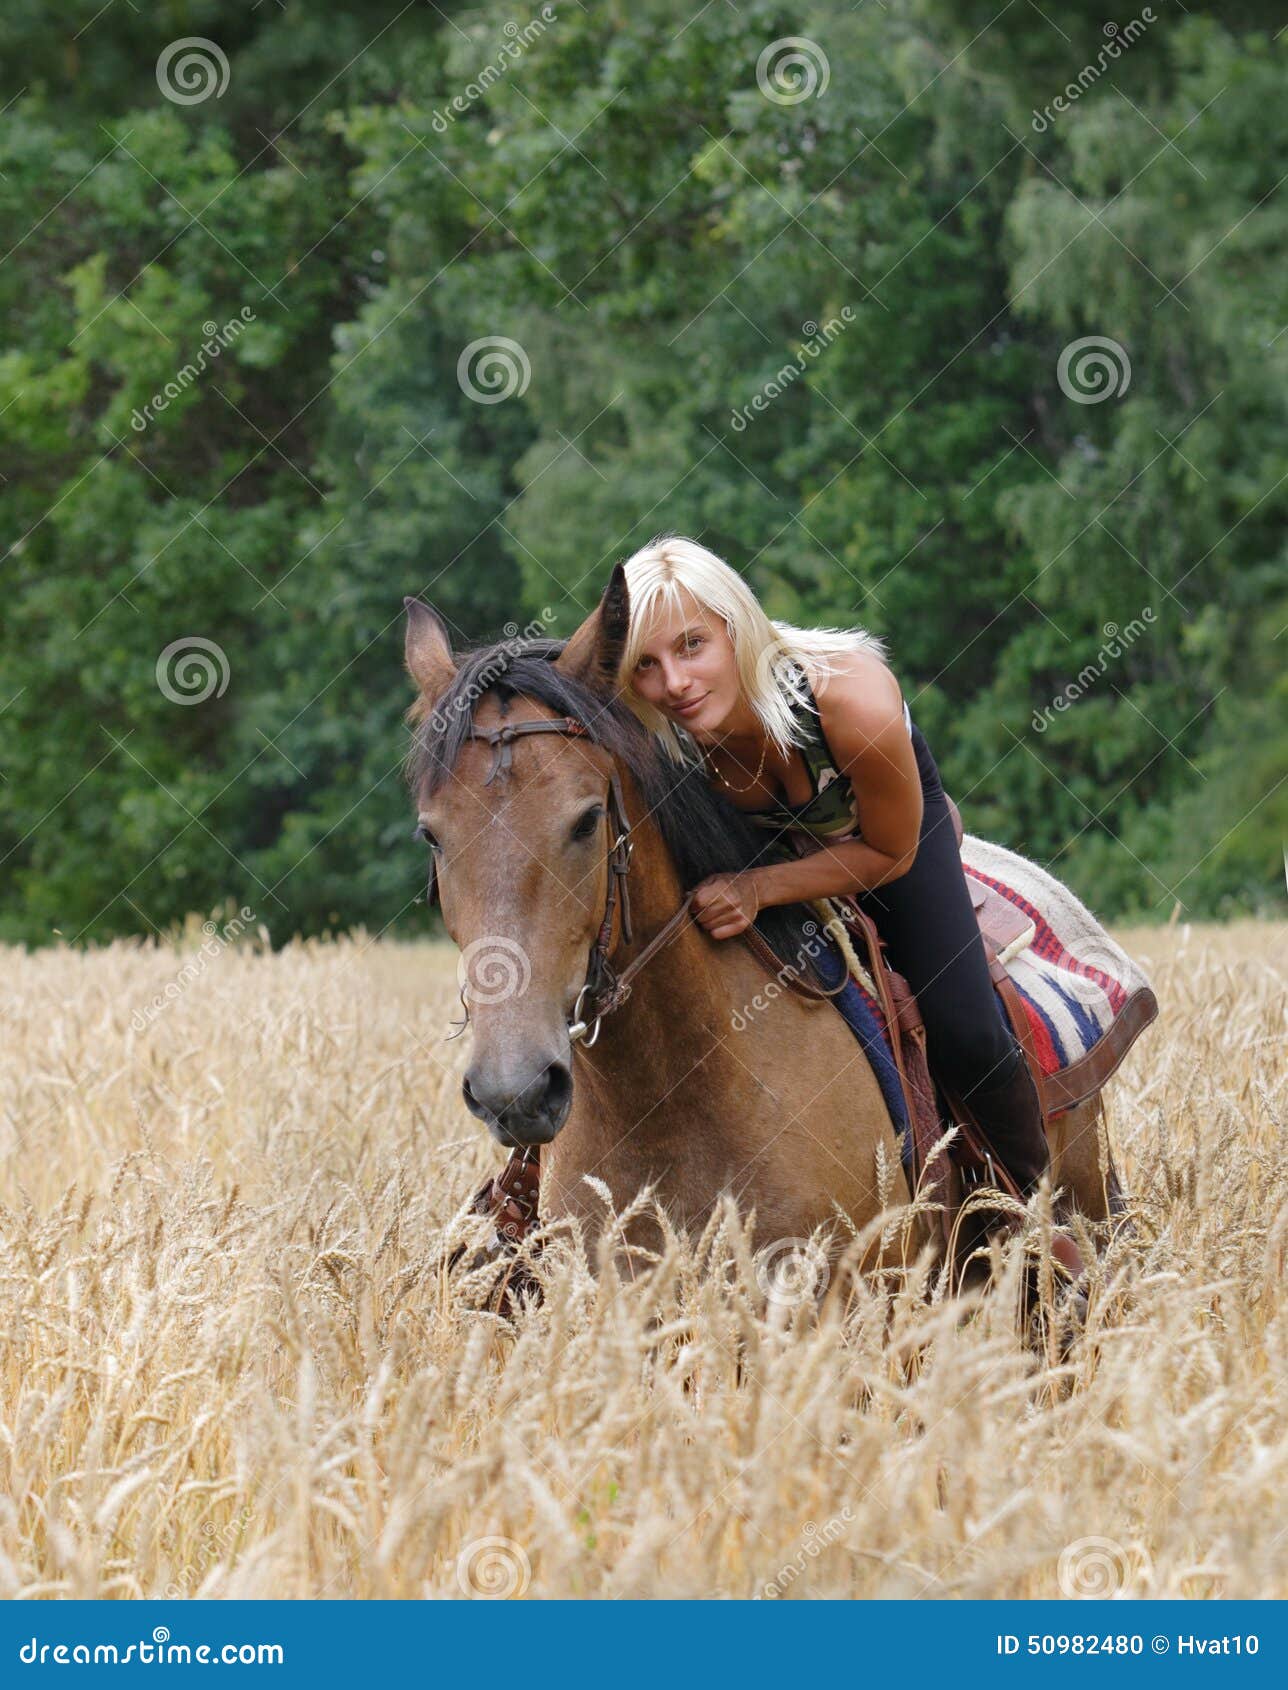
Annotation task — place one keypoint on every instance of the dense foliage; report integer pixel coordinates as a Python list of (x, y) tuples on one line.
[(822, 333)]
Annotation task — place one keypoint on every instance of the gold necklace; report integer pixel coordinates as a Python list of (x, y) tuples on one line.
[(764, 751)]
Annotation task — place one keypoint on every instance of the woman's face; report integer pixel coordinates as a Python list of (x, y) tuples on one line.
[(686, 669)]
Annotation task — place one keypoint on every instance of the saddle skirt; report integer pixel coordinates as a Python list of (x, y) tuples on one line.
[(1085, 999)]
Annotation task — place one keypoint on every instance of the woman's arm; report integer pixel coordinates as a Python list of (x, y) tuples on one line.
[(862, 719)]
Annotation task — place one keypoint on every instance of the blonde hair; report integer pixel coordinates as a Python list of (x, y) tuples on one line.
[(777, 662)]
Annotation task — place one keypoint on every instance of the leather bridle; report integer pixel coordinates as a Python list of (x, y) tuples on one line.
[(605, 989)]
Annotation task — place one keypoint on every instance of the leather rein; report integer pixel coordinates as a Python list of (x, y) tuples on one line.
[(605, 988)]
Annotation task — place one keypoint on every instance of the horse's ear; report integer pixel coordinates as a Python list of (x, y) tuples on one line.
[(429, 650), (594, 653)]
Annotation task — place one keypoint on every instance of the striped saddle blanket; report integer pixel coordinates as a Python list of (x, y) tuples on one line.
[(1086, 1000)]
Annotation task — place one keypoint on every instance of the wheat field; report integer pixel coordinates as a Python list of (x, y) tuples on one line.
[(231, 1366)]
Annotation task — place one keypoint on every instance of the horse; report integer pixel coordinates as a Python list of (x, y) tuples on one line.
[(544, 799)]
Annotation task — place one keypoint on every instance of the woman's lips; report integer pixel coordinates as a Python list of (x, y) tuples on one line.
[(691, 706)]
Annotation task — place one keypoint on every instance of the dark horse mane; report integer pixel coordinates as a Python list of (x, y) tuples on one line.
[(704, 833)]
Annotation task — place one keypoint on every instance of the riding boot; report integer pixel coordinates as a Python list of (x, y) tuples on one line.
[(1010, 1117)]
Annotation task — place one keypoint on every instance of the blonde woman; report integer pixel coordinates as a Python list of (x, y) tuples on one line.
[(807, 732)]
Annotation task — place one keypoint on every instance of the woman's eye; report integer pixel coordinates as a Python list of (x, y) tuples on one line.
[(693, 642), (588, 823)]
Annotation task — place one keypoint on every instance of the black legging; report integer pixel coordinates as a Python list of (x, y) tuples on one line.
[(932, 937)]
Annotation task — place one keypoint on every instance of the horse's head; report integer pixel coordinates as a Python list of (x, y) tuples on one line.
[(522, 829)]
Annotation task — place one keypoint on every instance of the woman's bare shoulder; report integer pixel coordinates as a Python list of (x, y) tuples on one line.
[(861, 687)]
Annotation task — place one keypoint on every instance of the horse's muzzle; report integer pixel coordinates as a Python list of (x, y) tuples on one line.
[(520, 1115)]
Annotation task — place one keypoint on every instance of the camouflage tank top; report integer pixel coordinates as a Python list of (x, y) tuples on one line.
[(831, 811)]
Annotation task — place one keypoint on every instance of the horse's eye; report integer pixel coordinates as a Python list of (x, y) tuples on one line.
[(420, 831), (588, 823)]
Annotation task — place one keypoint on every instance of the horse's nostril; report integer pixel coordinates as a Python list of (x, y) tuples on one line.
[(558, 1089)]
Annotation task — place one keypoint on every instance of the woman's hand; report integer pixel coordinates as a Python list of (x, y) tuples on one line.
[(726, 904)]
